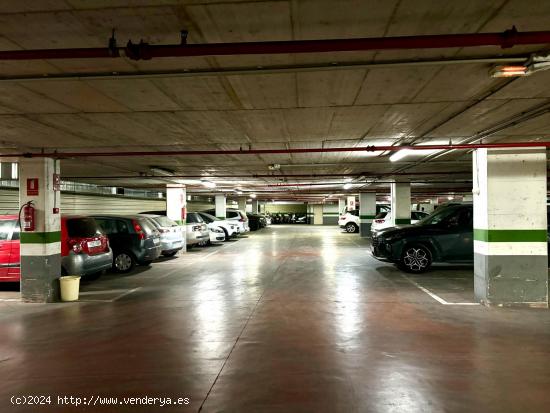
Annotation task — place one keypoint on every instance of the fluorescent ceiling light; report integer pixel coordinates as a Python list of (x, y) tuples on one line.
[(209, 184), (347, 186), (252, 195), (161, 171), (509, 71), (400, 155)]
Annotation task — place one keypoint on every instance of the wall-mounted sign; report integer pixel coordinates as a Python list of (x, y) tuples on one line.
[(32, 186)]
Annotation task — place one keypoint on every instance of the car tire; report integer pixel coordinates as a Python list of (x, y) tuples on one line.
[(351, 228), (226, 234), (170, 254), (415, 259), (123, 262)]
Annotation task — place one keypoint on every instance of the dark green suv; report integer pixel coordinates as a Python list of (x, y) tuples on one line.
[(444, 236)]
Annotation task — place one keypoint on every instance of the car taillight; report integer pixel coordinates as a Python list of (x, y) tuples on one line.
[(138, 229), (379, 221), (75, 245)]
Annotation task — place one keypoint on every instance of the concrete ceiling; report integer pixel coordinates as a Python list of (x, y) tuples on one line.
[(434, 103)]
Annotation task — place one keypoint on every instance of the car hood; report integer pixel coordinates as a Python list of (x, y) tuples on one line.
[(398, 230)]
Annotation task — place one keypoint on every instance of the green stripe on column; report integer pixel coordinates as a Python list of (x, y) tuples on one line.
[(366, 216), (330, 213), (402, 221), (220, 217), (40, 237), (510, 235)]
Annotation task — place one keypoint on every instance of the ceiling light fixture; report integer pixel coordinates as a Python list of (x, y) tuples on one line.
[(161, 171), (252, 195), (347, 186), (209, 184), (400, 155), (510, 71)]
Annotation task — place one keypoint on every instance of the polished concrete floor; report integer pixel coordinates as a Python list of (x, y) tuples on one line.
[(290, 319)]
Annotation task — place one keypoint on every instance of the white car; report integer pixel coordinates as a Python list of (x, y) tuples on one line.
[(235, 216), (216, 234), (349, 220), (171, 234), (196, 230), (383, 219), (229, 228)]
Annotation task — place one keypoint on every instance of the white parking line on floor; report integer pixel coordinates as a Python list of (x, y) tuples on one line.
[(431, 294)]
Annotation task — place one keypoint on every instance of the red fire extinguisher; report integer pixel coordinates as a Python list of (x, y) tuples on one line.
[(28, 223), (183, 213)]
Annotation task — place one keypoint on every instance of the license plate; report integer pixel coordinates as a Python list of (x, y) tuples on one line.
[(93, 244), (156, 241)]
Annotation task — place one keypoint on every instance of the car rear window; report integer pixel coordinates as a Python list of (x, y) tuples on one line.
[(6, 227), (381, 215), (194, 218), (208, 218), (165, 222), (147, 226), (82, 228)]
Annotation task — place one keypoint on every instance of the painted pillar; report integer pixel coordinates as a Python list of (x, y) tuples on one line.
[(220, 206), (400, 203), (241, 202), (510, 228), (341, 205), (367, 211), (176, 206), (255, 206), (317, 214), (41, 248), (350, 203)]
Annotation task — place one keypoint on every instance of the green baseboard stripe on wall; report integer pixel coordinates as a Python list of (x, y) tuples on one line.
[(40, 237), (366, 216), (331, 213), (510, 235), (402, 221)]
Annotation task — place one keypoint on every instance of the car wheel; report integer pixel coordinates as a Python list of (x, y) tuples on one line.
[(170, 254), (351, 228), (226, 234), (415, 259), (123, 262)]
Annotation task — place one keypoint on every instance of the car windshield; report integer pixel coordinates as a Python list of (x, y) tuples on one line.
[(209, 218), (194, 218), (437, 216), (165, 222), (82, 228)]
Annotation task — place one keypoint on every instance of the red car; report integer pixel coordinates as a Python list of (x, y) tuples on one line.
[(84, 247)]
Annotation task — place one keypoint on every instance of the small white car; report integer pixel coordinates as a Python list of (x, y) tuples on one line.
[(349, 220), (383, 219), (196, 230), (235, 216), (216, 234), (229, 228)]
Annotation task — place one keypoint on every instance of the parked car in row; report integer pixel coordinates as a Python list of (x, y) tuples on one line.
[(171, 234), (383, 219), (350, 220), (196, 230), (133, 238), (85, 248), (444, 236), (235, 216), (230, 229), (256, 221)]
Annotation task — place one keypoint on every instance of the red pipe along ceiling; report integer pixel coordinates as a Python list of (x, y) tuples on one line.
[(145, 51), (371, 148)]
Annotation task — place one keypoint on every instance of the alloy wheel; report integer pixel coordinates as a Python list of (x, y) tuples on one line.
[(123, 262), (416, 259)]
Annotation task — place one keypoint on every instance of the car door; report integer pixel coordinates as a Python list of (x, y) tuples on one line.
[(14, 269), (6, 228), (455, 237)]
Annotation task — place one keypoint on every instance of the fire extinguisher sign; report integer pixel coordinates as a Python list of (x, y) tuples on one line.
[(32, 186)]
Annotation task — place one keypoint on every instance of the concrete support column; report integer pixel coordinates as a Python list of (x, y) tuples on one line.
[(220, 206), (367, 211), (241, 202), (400, 203), (341, 205), (176, 206), (41, 248), (510, 228), (255, 206)]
